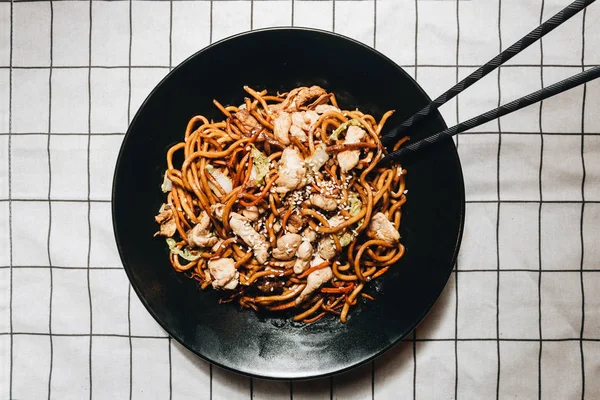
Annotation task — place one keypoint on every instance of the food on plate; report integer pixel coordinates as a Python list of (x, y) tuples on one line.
[(281, 204)]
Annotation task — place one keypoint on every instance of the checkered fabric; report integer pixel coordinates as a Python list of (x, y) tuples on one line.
[(520, 316)]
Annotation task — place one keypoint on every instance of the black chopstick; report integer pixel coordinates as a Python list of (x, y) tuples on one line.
[(508, 108), (488, 67)]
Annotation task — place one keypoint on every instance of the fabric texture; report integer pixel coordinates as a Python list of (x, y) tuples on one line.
[(520, 316)]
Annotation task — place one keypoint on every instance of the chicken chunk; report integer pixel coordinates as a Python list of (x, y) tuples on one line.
[(165, 218), (200, 235), (303, 254), (383, 229), (223, 273), (336, 220), (217, 210), (349, 159), (323, 108), (287, 246), (323, 202), (309, 235), (249, 123), (292, 173), (326, 248), (258, 243), (314, 281), (251, 213), (304, 119), (318, 158), (298, 133), (281, 127)]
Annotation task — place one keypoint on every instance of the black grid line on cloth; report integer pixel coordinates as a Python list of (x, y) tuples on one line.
[(89, 191), (540, 211), (10, 230), (333, 15), (50, 203), (128, 121), (581, 280)]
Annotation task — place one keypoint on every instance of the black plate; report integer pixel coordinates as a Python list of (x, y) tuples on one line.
[(263, 346)]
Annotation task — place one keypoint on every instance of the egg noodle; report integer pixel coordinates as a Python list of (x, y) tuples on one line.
[(282, 205)]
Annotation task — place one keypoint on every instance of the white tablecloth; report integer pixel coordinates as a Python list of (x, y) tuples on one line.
[(520, 317)]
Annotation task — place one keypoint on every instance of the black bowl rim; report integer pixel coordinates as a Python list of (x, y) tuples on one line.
[(460, 182)]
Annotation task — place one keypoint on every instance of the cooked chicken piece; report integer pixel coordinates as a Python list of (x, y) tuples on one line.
[(383, 229), (305, 95), (287, 246), (295, 223), (258, 243), (165, 218), (309, 235), (326, 247), (304, 119), (304, 254), (318, 158), (298, 133), (251, 213), (223, 273), (200, 235), (323, 202), (217, 210), (277, 226), (336, 220), (323, 108), (314, 281), (275, 108), (292, 173), (349, 159), (281, 127), (249, 123)]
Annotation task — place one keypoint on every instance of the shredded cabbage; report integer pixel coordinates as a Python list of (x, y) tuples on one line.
[(185, 253), (167, 185), (221, 178), (355, 204), (346, 239), (260, 165), (343, 127)]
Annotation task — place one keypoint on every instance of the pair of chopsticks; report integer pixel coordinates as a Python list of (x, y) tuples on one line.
[(533, 36)]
